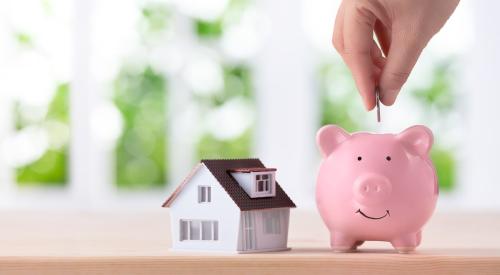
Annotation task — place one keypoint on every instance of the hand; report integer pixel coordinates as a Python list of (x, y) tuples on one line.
[(402, 27)]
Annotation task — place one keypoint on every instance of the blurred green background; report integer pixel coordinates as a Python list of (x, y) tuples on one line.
[(140, 92)]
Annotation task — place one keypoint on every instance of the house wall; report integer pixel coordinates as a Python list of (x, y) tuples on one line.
[(265, 241), (221, 208)]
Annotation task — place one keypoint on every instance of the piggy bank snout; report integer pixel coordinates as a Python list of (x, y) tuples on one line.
[(372, 189)]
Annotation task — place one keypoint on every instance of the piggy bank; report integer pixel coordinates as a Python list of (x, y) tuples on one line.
[(375, 187)]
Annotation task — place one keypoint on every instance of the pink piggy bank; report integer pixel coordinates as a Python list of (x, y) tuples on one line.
[(376, 187)]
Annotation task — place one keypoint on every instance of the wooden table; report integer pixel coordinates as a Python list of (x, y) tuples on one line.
[(133, 242)]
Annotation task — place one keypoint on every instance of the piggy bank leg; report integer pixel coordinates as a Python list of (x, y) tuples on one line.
[(341, 242), (406, 243)]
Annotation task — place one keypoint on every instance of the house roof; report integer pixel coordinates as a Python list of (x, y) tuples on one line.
[(221, 169), (252, 169)]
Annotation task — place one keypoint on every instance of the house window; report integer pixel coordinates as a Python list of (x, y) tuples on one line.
[(206, 230), (204, 194), (272, 222), (195, 230), (263, 183)]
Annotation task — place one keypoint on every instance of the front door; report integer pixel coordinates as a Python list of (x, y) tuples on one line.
[(249, 236)]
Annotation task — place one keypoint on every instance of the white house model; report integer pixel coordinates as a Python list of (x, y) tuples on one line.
[(230, 205)]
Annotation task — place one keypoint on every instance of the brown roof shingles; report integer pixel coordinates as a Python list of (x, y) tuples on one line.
[(252, 169), (221, 169)]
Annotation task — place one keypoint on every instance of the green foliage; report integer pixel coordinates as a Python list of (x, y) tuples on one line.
[(49, 170), (140, 95), (337, 112), (445, 163), (51, 167), (59, 106), (155, 17), (210, 147), (439, 94), (214, 29), (47, 6), (237, 84), (339, 98), (23, 39), (438, 101), (208, 29)]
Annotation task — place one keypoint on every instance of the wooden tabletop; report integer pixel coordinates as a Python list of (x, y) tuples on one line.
[(135, 242)]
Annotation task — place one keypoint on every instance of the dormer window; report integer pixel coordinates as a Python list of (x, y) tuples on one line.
[(257, 182), (263, 183)]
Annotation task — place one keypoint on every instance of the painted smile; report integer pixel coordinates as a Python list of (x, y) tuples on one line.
[(373, 218)]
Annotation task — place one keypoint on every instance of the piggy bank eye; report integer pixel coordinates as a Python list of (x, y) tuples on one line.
[(360, 158), (388, 158)]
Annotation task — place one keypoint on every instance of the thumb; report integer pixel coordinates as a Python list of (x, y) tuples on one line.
[(402, 56)]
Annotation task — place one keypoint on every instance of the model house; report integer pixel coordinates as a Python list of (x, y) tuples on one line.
[(230, 205)]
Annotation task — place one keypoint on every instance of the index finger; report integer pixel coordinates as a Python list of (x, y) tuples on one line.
[(358, 38)]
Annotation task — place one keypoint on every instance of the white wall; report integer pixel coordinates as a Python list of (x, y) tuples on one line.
[(222, 209), (481, 160)]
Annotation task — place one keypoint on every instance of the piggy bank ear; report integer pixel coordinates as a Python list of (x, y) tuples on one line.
[(417, 140), (329, 137)]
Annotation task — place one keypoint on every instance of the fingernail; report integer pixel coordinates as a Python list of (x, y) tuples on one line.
[(368, 104), (389, 97)]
